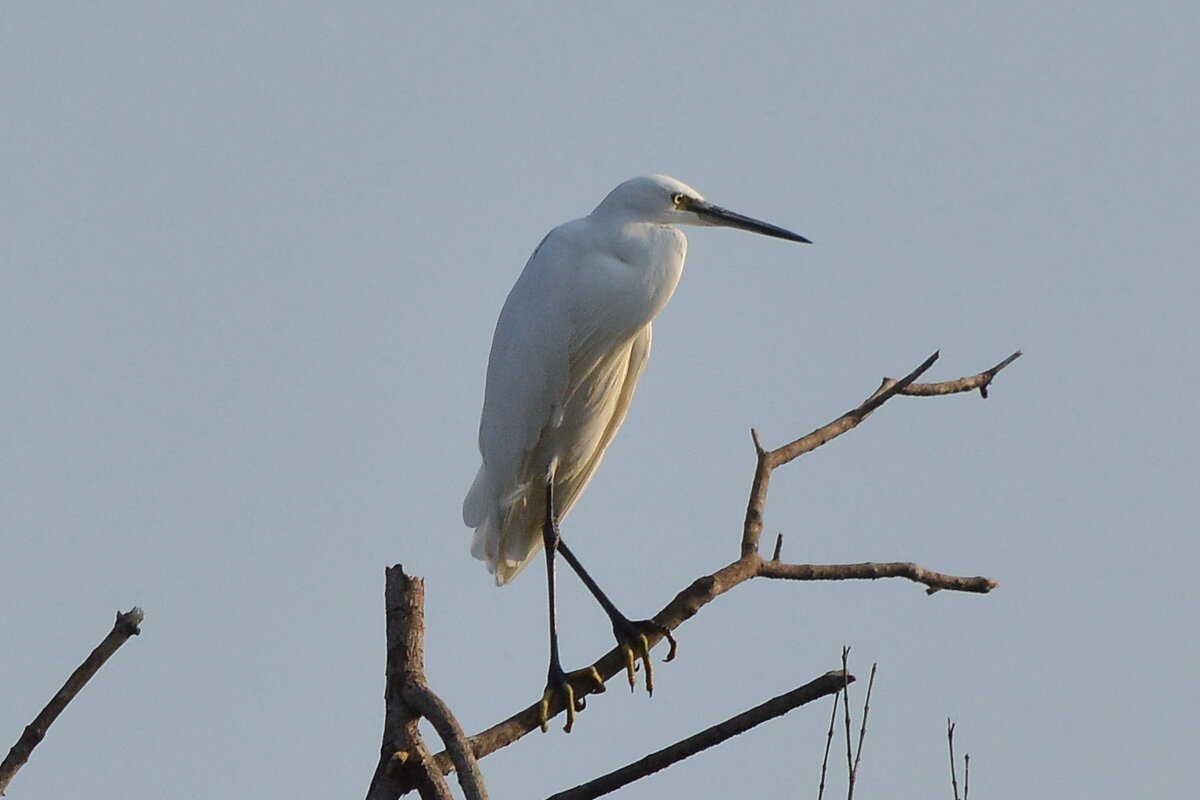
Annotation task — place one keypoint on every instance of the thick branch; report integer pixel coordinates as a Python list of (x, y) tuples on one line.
[(434, 709), (404, 760), (827, 684), (401, 756), (126, 625), (431, 781)]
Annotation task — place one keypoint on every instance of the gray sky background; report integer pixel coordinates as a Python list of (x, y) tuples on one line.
[(252, 257)]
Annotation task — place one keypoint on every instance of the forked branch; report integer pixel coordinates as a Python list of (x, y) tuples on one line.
[(404, 760), (751, 563)]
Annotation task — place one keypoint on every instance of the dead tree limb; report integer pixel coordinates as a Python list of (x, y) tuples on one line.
[(126, 625), (980, 382), (827, 684), (434, 709), (751, 563), (404, 759)]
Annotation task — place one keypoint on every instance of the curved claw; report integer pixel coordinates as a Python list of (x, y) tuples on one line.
[(633, 650), (671, 641), (633, 639), (561, 683)]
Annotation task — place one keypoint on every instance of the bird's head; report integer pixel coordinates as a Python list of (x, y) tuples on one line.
[(666, 201)]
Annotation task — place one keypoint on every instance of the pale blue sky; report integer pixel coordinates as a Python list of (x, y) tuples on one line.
[(252, 257)]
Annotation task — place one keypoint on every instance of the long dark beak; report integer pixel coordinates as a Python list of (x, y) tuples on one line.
[(715, 215)]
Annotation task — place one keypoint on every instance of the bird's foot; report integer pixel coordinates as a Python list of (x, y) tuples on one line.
[(633, 637), (573, 688)]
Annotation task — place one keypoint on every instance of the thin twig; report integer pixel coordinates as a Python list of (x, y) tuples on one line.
[(848, 421), (862, 732), (846, 719), (828, 743), (767, 461), (127, 625), (950, 741), (829, 683), (980, 382)]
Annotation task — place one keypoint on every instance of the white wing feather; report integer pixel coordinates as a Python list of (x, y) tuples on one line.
[(527, 376), (571, 342)]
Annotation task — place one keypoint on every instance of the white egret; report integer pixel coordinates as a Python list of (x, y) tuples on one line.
[(569, 347)]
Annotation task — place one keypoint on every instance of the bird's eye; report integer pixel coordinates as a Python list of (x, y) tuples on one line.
[(679, 200)]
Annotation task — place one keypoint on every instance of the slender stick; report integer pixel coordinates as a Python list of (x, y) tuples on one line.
[(862, 732), (848, 421), (127, 625), (846, 715), (950, 741), (828, 744), (980, 382)]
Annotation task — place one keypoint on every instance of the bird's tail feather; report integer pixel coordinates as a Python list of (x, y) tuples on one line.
[(506, 537)]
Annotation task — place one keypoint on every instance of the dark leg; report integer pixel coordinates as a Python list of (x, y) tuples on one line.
[(550, 541), (557, 681), (632, 636)]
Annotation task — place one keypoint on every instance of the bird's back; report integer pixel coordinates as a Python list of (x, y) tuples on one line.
[(571, 342)]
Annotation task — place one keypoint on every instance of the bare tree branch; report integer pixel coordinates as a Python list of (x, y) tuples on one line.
[(846, 713), (966, 765), (846, 422), (828, 744), (751, 564), (950, 742), (126, 626), (434, 709), (829, 683), (431, 783), (768, 460), (980, 382), (852, 765), (873, 571), (862, 731), (853, 755), (404, 761)]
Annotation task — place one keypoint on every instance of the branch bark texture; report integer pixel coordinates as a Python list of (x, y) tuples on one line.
[(404, 760)]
